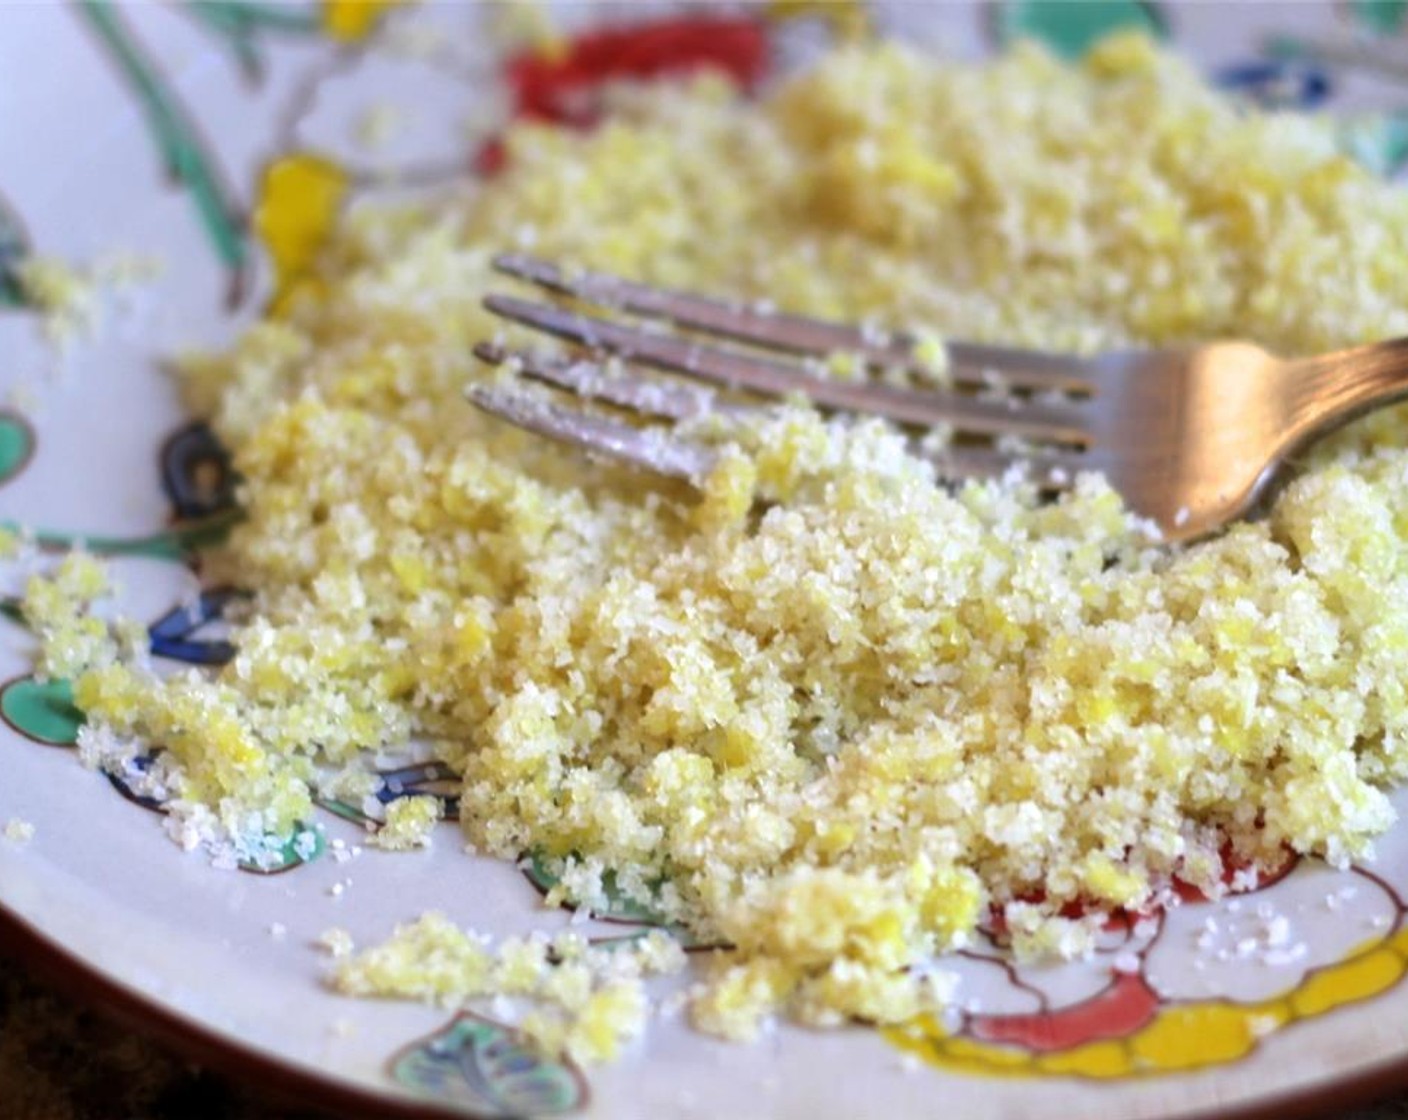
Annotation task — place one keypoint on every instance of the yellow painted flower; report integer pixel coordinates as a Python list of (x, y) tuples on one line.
[(351, 21), (849, 20), (300, 197)]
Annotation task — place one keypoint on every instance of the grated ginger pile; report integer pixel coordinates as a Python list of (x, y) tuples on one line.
[(835, 728)]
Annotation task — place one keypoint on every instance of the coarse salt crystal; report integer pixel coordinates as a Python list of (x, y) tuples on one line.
[(1279, 958)]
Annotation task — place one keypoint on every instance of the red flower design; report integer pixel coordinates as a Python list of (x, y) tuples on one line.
[(566, 88)]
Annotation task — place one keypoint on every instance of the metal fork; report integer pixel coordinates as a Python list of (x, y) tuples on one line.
[(1191, 438)]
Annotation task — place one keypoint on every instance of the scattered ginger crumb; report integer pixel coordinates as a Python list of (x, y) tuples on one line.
[(931, 356), (830, 712), (379, 125), (65, 296), (410, 823), (337, 942), (588, 1000), (69, 297), (57, 608), (18, 832), (527, 25)]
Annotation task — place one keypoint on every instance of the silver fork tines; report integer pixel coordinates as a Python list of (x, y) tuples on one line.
[(969, 363), (1191, 437), (654, 449), (588, 380), (733, 369), (624, 385)]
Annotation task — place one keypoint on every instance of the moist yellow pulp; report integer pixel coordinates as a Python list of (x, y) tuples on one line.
[(821, 708)]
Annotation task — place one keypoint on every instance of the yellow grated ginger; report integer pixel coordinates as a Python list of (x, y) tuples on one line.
[(829, 711), (57, 608), (410, 822)]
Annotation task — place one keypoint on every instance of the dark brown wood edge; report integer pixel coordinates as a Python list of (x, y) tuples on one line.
[(267, 1078), (279, 1082)]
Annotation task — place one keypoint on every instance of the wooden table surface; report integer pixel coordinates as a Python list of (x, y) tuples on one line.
[(62, 1062)]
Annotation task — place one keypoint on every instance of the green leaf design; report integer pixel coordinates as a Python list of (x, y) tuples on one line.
[(489, 1070), (343, 809), (1379, 142), (1070, 28), (14, 247), (241, 23), (16, 436), (303, 845), (1382, 17), (175, 543), (178, 140), (619, 941), (42, 711), (619, 908)]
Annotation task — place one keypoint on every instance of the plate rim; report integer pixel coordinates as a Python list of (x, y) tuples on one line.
[(270, 1079), (89, 985), (281, 1082)]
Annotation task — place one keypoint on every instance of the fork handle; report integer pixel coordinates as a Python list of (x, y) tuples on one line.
[(1331, 390)]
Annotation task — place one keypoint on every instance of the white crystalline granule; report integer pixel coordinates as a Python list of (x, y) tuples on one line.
[(18, 832)]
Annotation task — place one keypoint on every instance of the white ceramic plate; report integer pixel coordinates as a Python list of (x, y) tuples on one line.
[(154, 129)]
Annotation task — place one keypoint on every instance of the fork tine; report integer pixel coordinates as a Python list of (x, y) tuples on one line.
[(654, 449), (1051, 472), (587, 379), (970, 363), (735, 370)]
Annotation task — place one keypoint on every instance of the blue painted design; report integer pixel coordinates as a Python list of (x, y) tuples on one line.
[(1278, 83), (124, 783), (490, 1071), (171, 634), (423, 779), (303, 845)]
